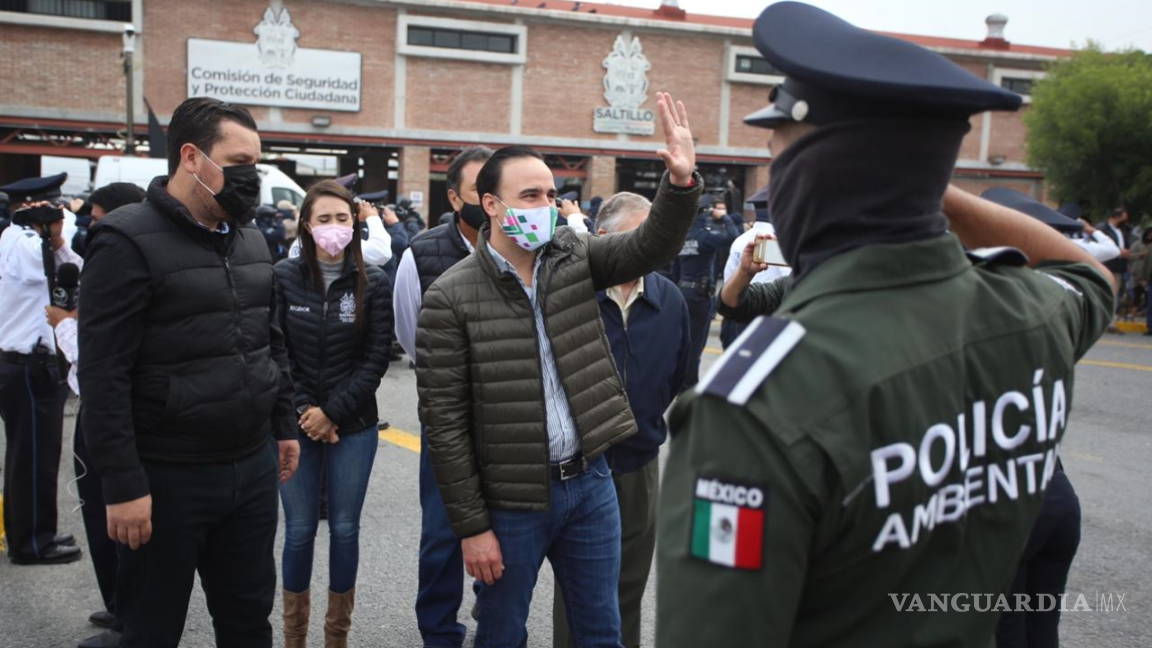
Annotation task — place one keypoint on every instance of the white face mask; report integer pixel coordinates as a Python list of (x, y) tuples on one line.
[(530, 228)]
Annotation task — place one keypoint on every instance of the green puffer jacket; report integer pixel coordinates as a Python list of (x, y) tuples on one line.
[(478, 366)]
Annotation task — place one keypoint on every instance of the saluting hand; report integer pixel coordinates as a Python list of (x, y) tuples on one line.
[(679, 152)]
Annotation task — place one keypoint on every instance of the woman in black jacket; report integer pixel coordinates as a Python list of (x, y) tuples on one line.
[(336, 314)]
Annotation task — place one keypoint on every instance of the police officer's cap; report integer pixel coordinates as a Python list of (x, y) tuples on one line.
[(375, 196), (835, 71), (35, 189), (1034, 208)]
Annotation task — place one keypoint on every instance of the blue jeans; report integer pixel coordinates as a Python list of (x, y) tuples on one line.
[(580, 537), (441, 571), (349, 465)]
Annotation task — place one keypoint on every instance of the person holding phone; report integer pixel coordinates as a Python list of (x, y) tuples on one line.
[(336, 313)]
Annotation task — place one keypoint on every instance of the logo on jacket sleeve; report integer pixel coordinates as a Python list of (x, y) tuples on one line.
[(728, 523), (348, 308)]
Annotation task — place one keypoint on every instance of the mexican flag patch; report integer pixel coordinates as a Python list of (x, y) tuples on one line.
[(728, 523)]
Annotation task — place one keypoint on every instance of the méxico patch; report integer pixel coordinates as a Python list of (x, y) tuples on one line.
[(728, 523)]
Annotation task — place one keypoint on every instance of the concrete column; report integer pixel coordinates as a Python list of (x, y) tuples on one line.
[(601, 177), (414, 169)]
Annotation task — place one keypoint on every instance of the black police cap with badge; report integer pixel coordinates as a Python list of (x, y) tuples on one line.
[(35, 190), (889, 117)]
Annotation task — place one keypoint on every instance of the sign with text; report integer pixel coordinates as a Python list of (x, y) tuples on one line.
[(244, 74)]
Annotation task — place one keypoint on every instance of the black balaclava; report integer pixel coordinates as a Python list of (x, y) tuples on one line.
[(857, 183)]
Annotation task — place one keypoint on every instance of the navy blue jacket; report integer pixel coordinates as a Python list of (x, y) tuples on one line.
[(707, 239), (652, 356)]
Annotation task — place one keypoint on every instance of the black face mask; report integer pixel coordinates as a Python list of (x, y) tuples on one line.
[(241, 192), (474, 215)]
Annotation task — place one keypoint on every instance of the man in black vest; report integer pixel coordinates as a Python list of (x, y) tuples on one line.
[(186, 385), (441, 572)]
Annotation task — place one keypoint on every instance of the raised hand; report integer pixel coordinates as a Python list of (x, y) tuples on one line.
[(679, 152)]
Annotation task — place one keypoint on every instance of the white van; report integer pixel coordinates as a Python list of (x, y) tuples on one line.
[(275, 185)]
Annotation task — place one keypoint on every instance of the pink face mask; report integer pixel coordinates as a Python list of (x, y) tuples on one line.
[(332, 238)]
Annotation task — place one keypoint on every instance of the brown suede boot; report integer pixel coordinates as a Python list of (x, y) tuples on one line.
[(339, 619), (297, 608)]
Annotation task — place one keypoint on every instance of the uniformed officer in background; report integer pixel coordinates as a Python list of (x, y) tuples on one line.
[(888, 433), (32, 388), (711, 234)]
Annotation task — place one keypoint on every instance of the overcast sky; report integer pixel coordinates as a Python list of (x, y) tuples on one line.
[(1055, 23)]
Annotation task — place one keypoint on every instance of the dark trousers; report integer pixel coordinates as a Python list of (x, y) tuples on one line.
[(100, 547), (32, 407), (730, 329), (1044, 568), (215, 519), (637, 493), (441, 570), (700, 311)]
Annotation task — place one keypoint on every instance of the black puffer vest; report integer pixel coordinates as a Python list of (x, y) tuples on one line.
[(437, 250), (205, 382)]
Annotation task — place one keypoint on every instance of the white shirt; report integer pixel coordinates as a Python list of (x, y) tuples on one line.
[(1098, 245), (377, 250), (24, 290), (407, 297), (66, 340), (737, 249)]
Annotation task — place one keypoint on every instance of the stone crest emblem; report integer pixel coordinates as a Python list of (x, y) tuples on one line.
[(626, 82), (626, 89), (276, 36)]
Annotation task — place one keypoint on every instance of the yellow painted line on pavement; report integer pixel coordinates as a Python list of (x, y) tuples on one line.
[(714, 350), (1083, 455), (1117, 365), (402, 438), (1130, 345)]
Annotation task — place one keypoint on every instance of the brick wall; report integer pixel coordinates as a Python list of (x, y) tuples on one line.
[(564, 82), (457, 95), (62, 69), (745, 99)]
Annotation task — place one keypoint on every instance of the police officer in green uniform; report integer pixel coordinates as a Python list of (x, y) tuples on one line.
[(876, 445)]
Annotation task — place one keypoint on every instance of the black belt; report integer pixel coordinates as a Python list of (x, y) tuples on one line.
[(12, 357), (564, 471), (706, 285)]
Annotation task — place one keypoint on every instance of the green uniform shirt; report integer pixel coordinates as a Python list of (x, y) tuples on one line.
[(898, 448)]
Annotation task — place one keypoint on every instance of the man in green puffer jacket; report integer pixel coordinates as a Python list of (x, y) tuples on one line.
[(519, 394)]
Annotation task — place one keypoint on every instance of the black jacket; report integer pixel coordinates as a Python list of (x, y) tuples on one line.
[(436, 250), (335, 365), (181, 357)]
